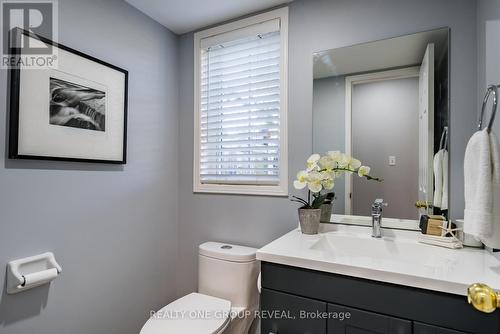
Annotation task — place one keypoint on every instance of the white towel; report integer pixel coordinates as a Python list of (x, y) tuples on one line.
[(438, 178), (493, 240), (444, 197), (441, 180), (478, 191)]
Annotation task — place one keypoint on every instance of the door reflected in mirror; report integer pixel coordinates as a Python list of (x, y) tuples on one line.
[(387, 104)]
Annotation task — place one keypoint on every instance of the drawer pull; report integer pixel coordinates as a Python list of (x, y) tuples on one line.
[(483, 298)]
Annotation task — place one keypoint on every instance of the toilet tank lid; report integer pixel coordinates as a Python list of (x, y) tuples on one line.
[(228, 252)]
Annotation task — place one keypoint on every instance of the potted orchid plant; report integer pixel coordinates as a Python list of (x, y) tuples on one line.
[(319, 178)]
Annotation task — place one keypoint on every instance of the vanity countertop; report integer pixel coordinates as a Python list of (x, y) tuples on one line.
[(396, 258)]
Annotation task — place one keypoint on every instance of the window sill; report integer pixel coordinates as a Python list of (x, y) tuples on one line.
[(277, 191)]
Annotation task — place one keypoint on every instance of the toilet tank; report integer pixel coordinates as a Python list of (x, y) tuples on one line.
[(229, 272)]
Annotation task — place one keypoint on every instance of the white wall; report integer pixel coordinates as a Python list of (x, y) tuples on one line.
[(318, 25), (112, 228)]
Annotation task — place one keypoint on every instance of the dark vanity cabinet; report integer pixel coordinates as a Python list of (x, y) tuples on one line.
[(302, 301)]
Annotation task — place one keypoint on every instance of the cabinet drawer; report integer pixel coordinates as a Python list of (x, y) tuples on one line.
[(419, 328), (282, 313), (362, 322)]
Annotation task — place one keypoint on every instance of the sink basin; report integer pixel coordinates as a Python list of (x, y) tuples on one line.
[(348, 245), (386, 252)]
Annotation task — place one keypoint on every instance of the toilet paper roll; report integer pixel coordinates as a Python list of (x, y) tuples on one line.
[(40, 277)]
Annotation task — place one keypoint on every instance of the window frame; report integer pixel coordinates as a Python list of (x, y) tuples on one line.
[(281, 189)]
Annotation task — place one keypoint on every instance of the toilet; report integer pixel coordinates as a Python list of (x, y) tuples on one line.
[(227, 296)]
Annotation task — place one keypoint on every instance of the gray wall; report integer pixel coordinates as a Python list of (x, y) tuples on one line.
[(385, 123), (488, 47), (113, 229), (329, 125), (318, 25), (119, 231)]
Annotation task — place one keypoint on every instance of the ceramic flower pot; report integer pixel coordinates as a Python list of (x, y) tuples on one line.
[(309, 220), (326, 212)]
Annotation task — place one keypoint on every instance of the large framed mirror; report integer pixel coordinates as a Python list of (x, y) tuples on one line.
[(387, 103)]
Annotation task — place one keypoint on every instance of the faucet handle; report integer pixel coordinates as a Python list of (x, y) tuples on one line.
[(379, 202), (377, 206)]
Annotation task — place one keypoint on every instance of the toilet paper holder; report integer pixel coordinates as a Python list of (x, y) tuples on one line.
[(29, 272)]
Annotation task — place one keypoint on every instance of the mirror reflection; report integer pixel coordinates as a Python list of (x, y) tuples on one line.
[(387, 103)]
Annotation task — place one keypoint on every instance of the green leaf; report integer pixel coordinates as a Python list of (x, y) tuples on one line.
[(318, 200)]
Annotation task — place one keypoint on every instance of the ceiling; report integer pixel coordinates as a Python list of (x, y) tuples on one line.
[(181, 16), (384, 54)]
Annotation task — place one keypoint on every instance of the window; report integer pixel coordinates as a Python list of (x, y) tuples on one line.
[(240, 143)]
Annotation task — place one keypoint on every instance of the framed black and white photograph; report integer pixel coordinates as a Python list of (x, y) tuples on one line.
[(75, 111)]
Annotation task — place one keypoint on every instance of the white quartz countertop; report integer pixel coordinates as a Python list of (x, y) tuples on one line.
[(396, 258)]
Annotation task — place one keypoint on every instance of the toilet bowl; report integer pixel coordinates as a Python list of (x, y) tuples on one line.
[(227, 296)]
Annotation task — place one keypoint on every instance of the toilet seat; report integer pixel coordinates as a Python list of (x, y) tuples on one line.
[(193, 313)]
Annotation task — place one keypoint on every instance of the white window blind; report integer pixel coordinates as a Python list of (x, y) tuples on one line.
[(240, 106)]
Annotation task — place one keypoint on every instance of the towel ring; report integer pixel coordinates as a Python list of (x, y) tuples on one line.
[(443, 142), (491, 89)]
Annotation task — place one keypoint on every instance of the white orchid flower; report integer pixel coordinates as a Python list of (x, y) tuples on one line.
[(313, 158), (301, 181), (315, 187), (334, 155), (354, 163), (328, 184), (326, 162), (314, 182), (326, 175), (321, 172), (312, 162), (363, 171), (344, 160)]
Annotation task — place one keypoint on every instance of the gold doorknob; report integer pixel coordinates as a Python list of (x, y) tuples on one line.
[(483, 298), (422, 205)]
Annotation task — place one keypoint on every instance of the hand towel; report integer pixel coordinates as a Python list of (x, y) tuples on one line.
[(444, 196), (438, 179), (441, 180), (493, 240), (478, 186)]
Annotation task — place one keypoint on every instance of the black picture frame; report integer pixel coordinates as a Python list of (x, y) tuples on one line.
[(15, 81)]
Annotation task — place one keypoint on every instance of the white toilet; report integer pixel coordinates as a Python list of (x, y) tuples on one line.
[(227, 295)]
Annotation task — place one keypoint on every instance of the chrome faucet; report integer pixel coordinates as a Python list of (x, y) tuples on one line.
[(377, 217)]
